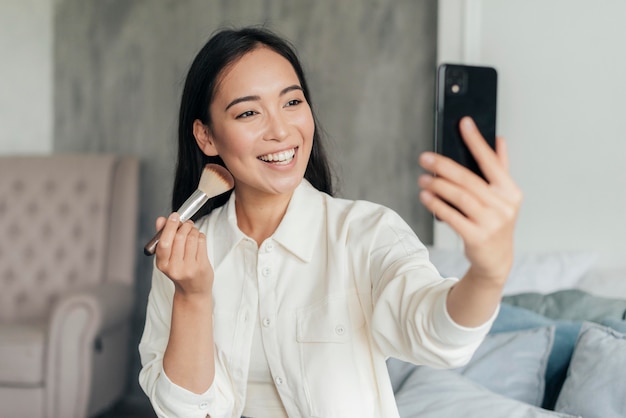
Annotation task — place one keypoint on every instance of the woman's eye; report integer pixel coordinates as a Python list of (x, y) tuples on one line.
[(245, 114), (293, 102)]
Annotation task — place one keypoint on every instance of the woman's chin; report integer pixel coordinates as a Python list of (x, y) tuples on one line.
[(287, 186)]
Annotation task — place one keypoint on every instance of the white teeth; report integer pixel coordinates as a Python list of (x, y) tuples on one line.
[(279, 157)]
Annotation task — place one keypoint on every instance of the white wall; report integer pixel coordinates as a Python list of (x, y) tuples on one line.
[(562, 101), (26, 51)]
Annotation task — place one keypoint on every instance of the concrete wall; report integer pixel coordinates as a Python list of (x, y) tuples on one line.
[(119, 66)]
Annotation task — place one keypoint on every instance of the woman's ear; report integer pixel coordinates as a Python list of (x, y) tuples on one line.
[(204, 139)]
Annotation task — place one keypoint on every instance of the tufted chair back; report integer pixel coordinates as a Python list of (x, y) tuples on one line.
[(67, 264), (55, 223)]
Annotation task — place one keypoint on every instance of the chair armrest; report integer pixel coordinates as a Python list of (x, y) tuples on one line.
[(76, 319)]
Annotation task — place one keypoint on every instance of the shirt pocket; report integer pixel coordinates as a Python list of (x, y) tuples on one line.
[(335, 358), (333, 320)]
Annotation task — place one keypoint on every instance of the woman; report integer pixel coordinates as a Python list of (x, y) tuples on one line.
[(284, 301)]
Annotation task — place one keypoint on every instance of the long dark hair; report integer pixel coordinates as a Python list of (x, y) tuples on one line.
[(223, 49)]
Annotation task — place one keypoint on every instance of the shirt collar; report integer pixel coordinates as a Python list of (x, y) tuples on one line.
[(227, 233), (297, 232)]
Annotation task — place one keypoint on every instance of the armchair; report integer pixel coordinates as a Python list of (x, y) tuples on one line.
[(67, 259)]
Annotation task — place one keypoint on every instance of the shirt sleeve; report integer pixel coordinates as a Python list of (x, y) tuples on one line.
[(410, 320), (168, 399)]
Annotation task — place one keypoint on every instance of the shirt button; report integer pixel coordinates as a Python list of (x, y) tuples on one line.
[(279, 381), (266, 271), (266, 322), (203, 405), (269, 247), (340, 330)]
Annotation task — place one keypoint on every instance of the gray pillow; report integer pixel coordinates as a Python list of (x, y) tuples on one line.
[(595, 386), (570, 304), (432, 393), (513, 364)]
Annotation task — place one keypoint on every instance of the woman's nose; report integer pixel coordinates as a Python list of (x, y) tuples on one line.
[(277, 128)]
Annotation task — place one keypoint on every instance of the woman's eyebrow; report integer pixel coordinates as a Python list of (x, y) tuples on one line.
[(242, 99), (251, 98), (290, 88)]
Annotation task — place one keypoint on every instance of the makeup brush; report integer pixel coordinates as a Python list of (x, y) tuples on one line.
[(214, 181)]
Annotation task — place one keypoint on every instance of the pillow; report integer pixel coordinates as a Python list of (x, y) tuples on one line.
[(513, 318), (513, 364), (571, 304), (399, 372), (595, 384), (548, 271), (617, 325), (605, 281), (510, 364), (542, 272), (432, 393)]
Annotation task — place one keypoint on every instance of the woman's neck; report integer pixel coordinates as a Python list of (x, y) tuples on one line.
[(259, 216)]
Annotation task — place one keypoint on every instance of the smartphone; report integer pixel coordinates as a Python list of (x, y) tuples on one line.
[(464, 90)]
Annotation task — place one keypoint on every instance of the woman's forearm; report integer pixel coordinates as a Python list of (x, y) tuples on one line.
[(189, 357), (472, 301)]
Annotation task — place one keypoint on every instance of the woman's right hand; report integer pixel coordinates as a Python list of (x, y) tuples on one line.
[(181, 255)]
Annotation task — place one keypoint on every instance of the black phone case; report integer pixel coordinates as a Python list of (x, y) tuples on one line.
[(464, 90)]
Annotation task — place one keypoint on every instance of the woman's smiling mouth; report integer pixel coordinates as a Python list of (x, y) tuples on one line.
[(279, 158)]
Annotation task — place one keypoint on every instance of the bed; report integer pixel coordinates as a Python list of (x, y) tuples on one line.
[(556, 349)]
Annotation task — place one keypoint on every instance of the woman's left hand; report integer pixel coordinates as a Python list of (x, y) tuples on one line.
[(487, 210)]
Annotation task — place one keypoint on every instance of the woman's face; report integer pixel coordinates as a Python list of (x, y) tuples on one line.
[(262, 126)]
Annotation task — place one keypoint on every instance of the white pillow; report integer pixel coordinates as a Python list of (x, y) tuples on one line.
[(542, 272)]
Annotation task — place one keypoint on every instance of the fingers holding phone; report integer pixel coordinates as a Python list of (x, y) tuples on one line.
[(482, 212), (454, 191)]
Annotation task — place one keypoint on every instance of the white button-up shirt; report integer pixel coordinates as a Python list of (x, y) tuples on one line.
[(340, 286)]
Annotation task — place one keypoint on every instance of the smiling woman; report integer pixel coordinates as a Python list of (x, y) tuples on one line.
[(212, 67), (260, 116), (281, 300)]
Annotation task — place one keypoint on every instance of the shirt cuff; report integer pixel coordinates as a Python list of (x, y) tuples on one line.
[(178, 401)]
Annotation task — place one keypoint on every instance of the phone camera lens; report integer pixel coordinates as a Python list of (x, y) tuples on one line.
[(456, 82)]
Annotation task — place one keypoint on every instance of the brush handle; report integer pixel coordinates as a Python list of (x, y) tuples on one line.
[(186, 211), (150, 247)]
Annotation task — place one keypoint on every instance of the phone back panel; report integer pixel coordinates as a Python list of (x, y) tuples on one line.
[(464, 90)]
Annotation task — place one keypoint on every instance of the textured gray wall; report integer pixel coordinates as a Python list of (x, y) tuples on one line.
[(120, 65)]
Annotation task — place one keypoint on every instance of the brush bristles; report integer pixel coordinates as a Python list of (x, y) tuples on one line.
[(215, 180)]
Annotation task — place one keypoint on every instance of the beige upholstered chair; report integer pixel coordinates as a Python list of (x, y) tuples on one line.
[(67, 259)]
